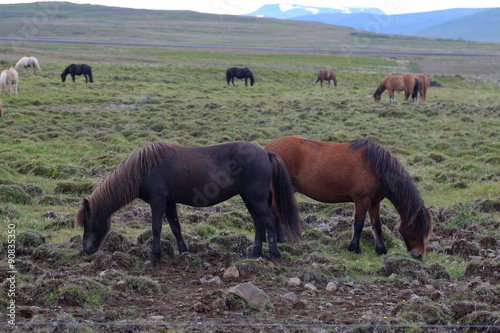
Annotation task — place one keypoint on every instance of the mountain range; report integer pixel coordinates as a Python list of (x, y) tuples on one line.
[(468, 24)]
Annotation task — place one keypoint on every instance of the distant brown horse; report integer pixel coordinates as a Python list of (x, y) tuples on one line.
[(409, 83), (423, 86), (326, 75), (9, 80), (164, 174), (362, 172), (1, 112)]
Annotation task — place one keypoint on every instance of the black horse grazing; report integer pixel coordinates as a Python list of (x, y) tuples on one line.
[(239, 73), (164, 174), (73, 70)]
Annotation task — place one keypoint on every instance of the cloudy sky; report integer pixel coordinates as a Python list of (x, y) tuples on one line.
[(245, 6)]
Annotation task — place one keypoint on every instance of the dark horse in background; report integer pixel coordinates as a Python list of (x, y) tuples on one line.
[(239, 73), (409, 83), (326, 75), (362, 172), (164, 174), (74, 70)]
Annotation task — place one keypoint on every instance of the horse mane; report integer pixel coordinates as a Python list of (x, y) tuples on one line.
[(121, 185), (21, 62), (397, 185)]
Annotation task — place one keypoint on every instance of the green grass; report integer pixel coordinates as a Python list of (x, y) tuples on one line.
[(57, 139)]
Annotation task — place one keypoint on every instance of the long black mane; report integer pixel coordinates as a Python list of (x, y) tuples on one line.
[(398, 187), (378, 91), (239, 73)]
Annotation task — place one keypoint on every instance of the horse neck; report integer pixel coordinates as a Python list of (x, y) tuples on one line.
[(112, 193)]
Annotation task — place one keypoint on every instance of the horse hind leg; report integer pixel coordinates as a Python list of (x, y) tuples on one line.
[(376, 222), (264, 220)]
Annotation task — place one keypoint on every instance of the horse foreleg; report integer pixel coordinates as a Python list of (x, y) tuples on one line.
[(359, 222), (246, 82), (173, 221), (73, 77), (391, 95), (374, 212), (157, 210)]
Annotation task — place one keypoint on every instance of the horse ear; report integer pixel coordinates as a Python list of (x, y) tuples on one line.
[(86, 205)]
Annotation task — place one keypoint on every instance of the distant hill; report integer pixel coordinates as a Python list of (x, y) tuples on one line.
[(471, 24), (483, 26), (66, 21)]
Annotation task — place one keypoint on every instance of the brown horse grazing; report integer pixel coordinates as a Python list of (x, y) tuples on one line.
[(163, 174), (423, 86), (362, 172), (326, 75), (409, 83)]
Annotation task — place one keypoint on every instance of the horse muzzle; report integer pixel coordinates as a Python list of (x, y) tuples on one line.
[(89, 249), (417, 255)]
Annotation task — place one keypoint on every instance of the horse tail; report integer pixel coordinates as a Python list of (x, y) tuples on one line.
[(284, 199), (414, 95), (37, 65), (228, 76), (252, 80), (91, 80), (397, 186)]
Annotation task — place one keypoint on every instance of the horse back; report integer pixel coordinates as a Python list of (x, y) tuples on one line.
[(327, 172), (204, 176)]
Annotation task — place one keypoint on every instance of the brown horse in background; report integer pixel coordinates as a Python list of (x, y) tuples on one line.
[(423, 86), (327, 75), (409, 83), (164, 174), (1, 112), (362, 172)]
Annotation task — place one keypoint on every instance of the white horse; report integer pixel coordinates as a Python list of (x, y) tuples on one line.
[(9, 80), (26, 62)]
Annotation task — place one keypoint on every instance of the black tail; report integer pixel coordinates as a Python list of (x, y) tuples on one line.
[(91, 80), (414, 95), (397, 185), (285, 200)]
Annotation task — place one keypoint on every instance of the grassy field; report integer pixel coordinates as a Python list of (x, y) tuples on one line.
[(57, 140)]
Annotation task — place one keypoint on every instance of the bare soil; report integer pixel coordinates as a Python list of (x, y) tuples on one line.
[(115, 290)]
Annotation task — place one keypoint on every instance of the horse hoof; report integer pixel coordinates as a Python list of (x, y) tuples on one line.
[(354, 248)]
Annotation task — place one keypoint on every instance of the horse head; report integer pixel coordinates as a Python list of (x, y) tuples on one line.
[(416, 232), (378, 94), (95, 227)]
